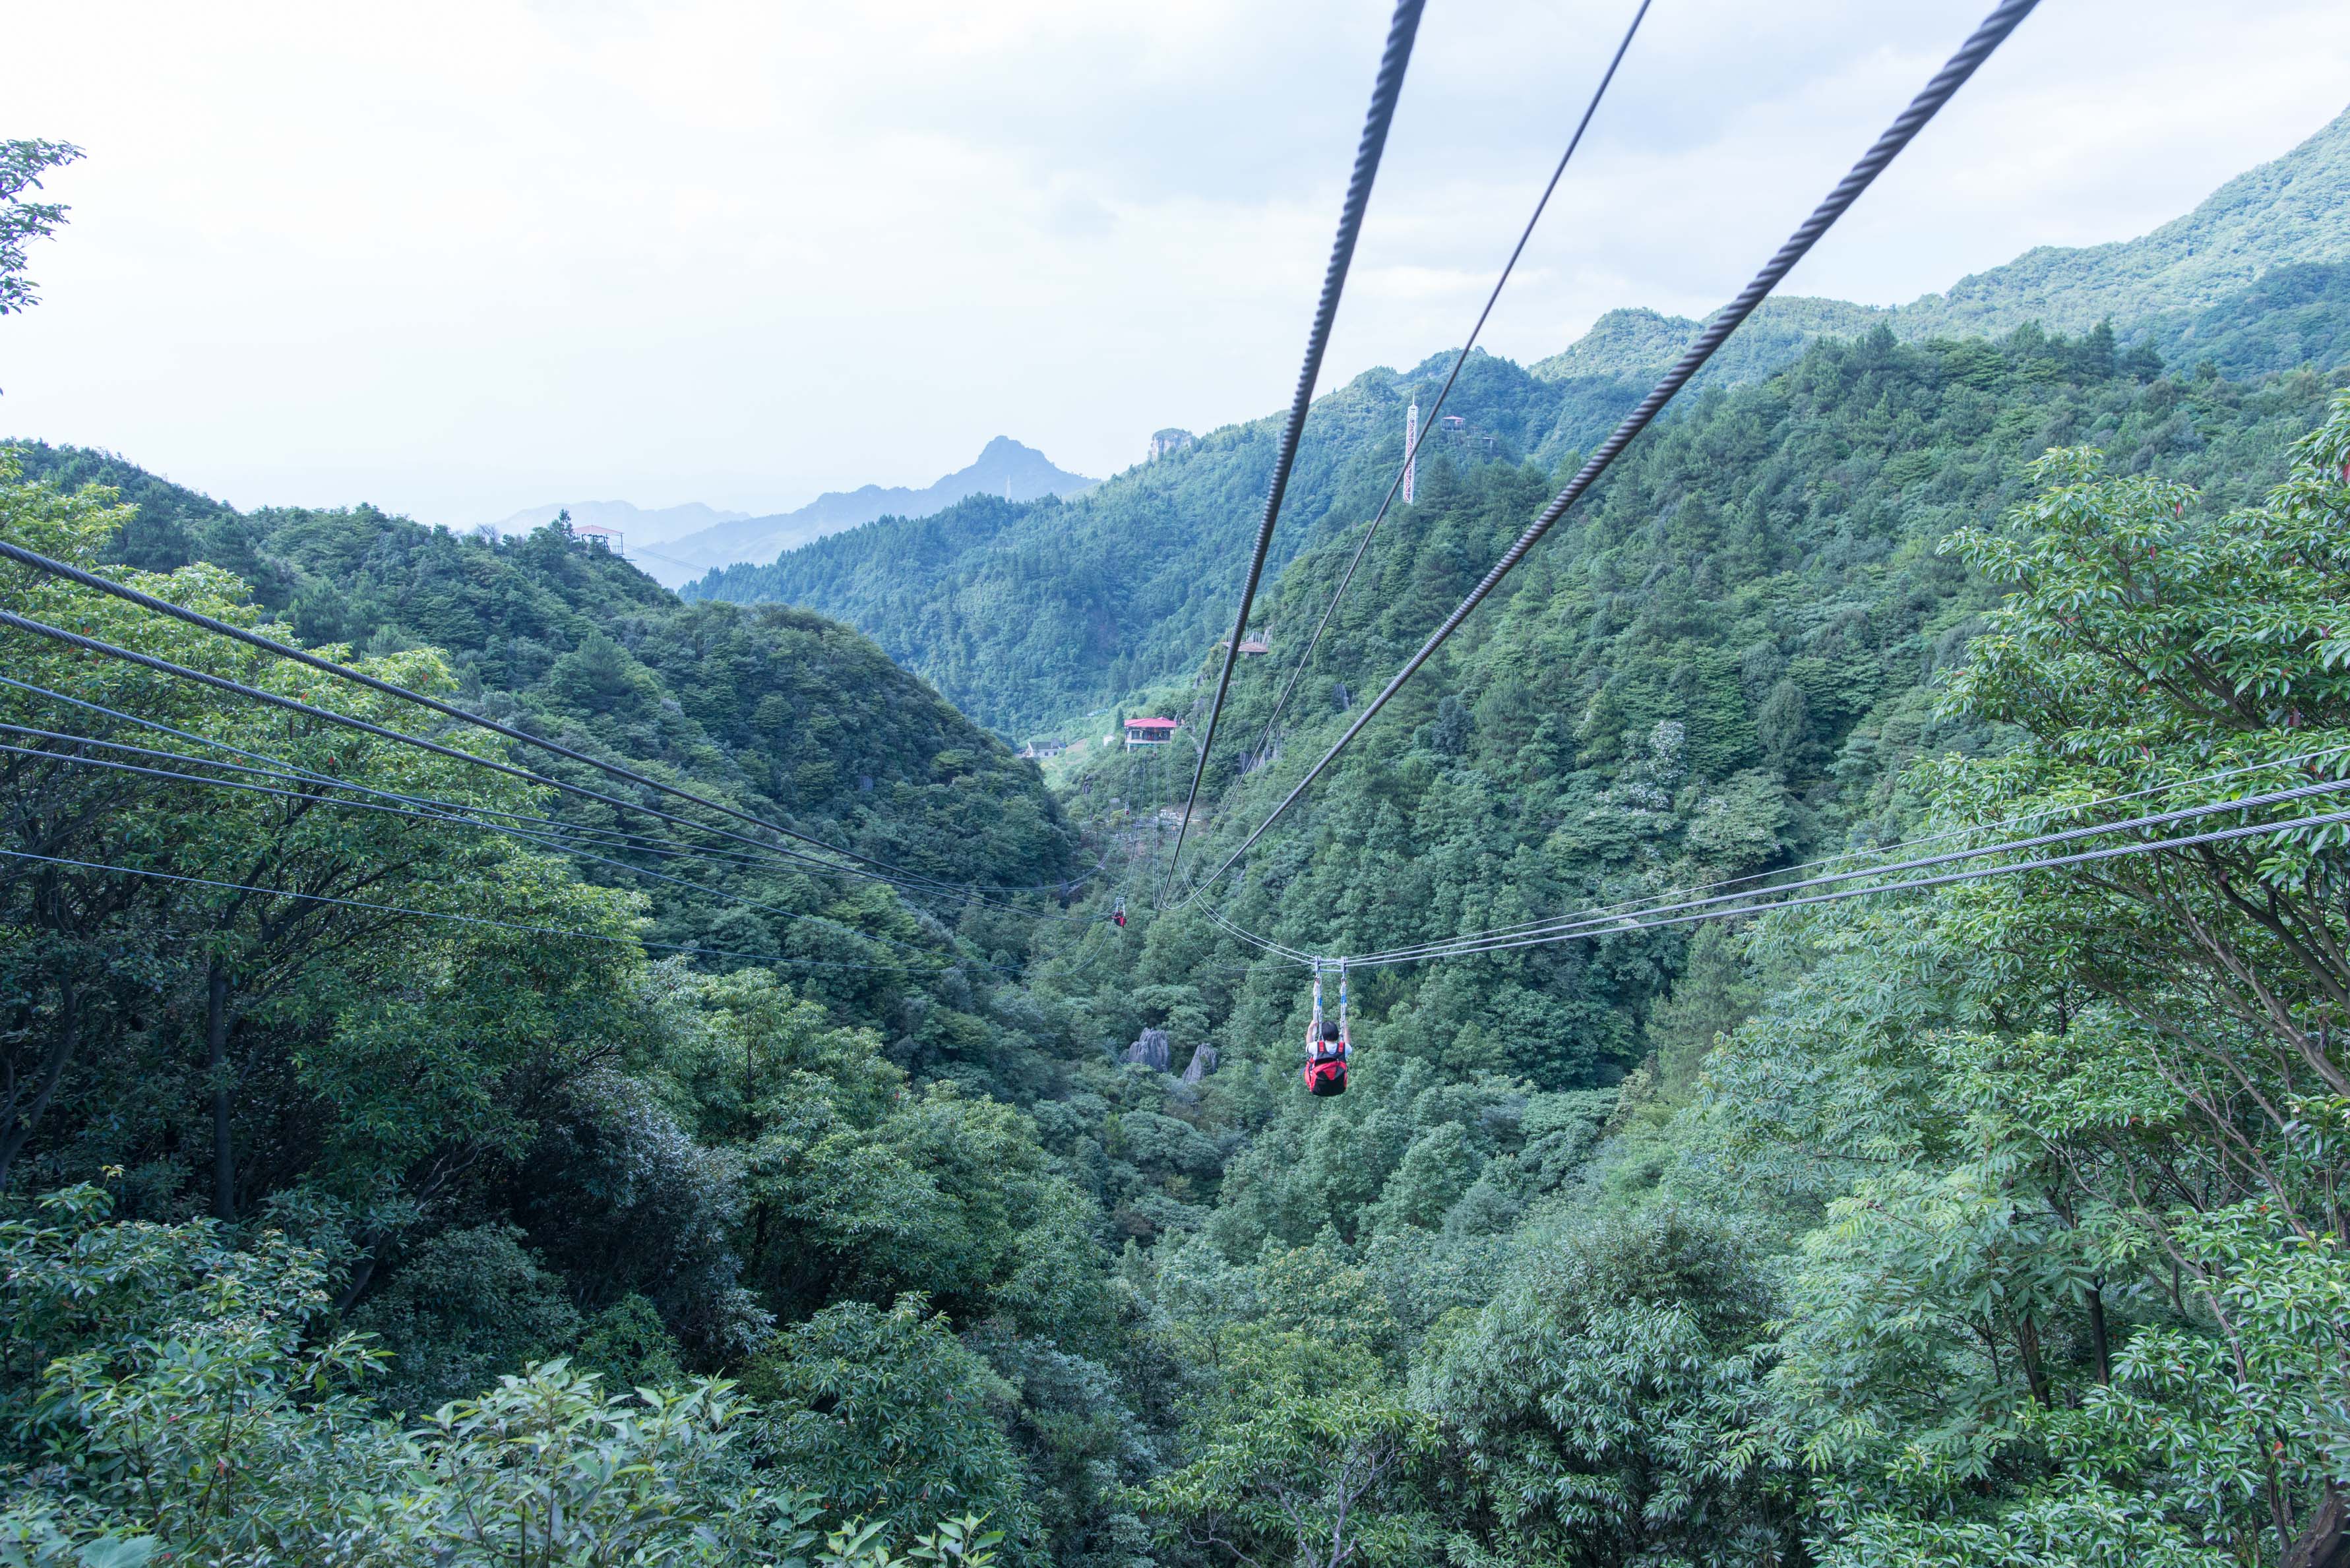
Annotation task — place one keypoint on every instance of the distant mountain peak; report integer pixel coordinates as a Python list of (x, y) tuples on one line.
[(1006, 468)]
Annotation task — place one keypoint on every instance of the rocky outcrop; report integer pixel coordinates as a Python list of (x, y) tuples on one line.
[(1153, 1051)]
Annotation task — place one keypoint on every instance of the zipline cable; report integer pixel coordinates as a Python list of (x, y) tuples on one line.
[(1420, 436), (1267, 943), (1386, 89), (1648, 903), (284, 772), (147, 601), (1948, 878), (1971, 830), (345, 721), (328, 715), (1604, 920), (422, 807), (542, 840), (1978, 47), (400, 909), (280, 769)]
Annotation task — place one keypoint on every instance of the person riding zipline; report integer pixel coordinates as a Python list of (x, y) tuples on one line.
[(1326, 1048)]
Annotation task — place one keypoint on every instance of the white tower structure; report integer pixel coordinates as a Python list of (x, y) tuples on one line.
[(1410, 457)]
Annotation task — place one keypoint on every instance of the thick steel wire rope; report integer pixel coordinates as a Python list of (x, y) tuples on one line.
[(363, 726), (1420, 436), (776, 960), (2111, 852), (147, 601), (543, 840), (422, 805), (769, 860), (1266, 944), (1386, 89), (1605, 919), (1648, 903), (1971, 830), (345, 721), (1946, 82), (1768, 897)]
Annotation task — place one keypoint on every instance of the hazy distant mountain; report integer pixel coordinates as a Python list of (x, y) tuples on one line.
[(641, 527), (1004, 469)]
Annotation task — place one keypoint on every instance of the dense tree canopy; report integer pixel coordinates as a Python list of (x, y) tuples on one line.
[(760, 1213)]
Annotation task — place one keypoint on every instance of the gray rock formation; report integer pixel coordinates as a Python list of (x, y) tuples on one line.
[(1153, 1051), (1203, 1062)]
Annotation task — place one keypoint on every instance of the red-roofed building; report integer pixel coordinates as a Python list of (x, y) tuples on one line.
[(1150, 732)]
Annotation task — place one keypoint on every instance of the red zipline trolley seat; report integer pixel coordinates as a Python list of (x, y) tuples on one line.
[(1327, 1050)]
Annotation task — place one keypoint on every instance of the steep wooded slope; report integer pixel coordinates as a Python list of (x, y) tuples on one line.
[(798, 717)]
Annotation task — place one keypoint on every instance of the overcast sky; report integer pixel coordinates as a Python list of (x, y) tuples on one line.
[(461, 258)]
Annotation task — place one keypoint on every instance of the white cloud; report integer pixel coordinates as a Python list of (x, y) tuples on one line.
[(458, 258)]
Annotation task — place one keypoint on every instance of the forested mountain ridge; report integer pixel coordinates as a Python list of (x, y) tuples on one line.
[(1025, 614), (1025, 617), (800, 715), (1730, 656), (1538, 1247), (299, 1057), (1596, 1262), (2284, 216)]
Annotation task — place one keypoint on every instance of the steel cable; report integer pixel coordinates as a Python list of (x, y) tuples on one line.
[(328, 715), (544, 841), (2003, 826), (1648, 903), (1386, 89), (1420, 436), (147, 601), (278, 768), (2085, 857), (1607, 920), (404, 911), (1946, 82)]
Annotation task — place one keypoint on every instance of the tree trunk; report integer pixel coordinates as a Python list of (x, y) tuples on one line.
[(27, 1101), (2099, 1344), (2325, 1541), (216, 1072), (2027, 1351)]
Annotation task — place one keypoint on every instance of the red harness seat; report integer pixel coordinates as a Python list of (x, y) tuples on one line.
[(1326, 1064)]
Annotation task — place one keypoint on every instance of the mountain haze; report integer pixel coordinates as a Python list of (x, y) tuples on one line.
[(1005, 468), (640, 527)]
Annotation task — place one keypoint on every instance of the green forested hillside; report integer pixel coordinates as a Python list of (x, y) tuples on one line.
[(1023, 615), (403, 1161), (2279, 225), (1908, 1233), (800, 715), (291, 1061), (1027, 616), (1885, 1236)]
